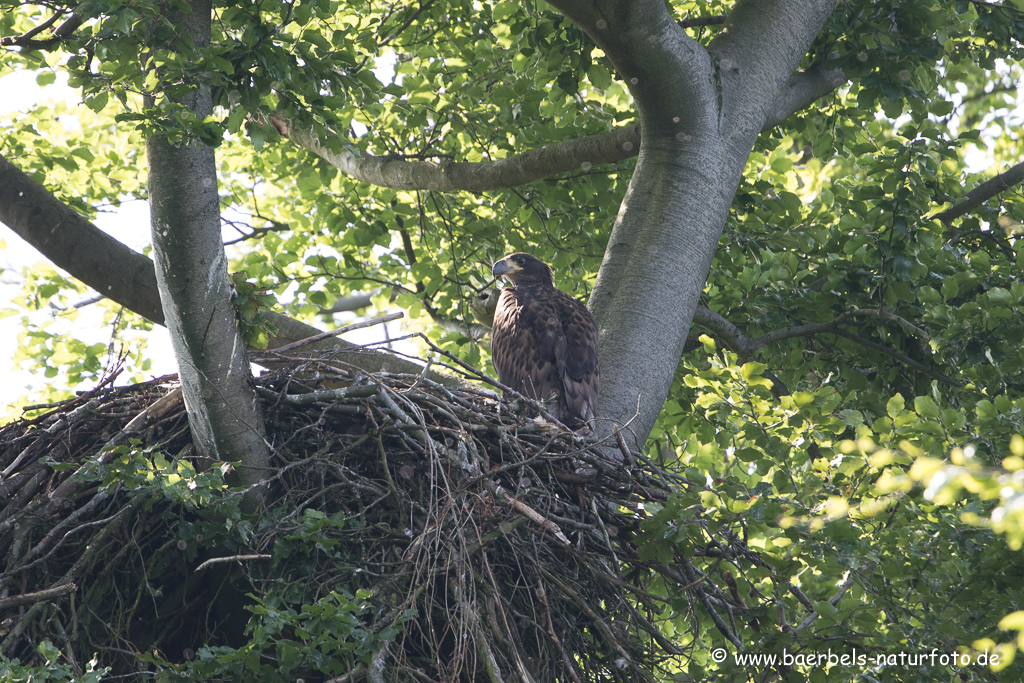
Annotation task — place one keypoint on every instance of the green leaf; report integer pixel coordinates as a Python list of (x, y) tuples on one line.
[(895, 406)]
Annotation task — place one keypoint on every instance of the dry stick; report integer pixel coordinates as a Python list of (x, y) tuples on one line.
[(98, 542), (321, 396), (621, 443), (341, 330), (97, 500), (232, 558), (531, 514), (523, 674), (64, 406), (606, 633), (165, 405), (65, 422), (485, 652), (26, 598)]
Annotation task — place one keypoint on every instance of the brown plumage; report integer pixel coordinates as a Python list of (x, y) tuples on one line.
[(544, 342)]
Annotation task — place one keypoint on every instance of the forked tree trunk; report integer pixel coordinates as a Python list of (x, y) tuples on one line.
[(700, 110), (192, 276)]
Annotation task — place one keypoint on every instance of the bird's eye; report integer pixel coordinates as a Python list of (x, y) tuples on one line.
[(520, 260)]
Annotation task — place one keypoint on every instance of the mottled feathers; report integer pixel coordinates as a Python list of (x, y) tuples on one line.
[(544, 342)]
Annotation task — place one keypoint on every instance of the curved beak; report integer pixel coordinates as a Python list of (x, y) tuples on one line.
[(504, 267)]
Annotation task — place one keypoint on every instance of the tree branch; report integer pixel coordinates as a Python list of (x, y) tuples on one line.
[(28, 42), (906, 360), (982, 193), (76, 245), (128, 278), (749, 56), (802, 90), (38, 596), (452, 176), (744, 346), (700, 22)]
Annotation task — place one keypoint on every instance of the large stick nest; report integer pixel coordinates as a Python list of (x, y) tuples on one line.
[(481, 543)]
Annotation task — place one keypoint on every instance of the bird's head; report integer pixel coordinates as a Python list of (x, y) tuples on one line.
[(520, 268), (483, 306)]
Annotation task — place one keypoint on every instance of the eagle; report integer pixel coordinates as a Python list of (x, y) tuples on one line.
[(544, 342)]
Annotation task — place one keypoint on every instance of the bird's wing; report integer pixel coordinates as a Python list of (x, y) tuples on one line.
[(576, 358)]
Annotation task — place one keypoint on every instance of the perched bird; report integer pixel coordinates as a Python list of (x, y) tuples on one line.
[(544, 342)]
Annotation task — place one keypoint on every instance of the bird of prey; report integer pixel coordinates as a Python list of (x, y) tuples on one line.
[(544, 342)]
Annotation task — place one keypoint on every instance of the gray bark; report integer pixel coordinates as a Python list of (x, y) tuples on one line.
[(192, 277), (700, 112), (128, 278), (518, 169), (73, 243)]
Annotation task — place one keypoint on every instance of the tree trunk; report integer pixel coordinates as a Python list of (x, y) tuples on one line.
[(192, 277), (700, 113)]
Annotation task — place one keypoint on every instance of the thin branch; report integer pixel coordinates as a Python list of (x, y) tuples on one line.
[(982, 193), (834, 600), (38, 596), (886, 315), (27, 42), (341, 330), (744, 346), (907, 360), (232, 558)]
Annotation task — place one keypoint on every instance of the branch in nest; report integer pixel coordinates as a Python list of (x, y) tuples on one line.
[(531, 514), (232, 558), (38, 596)]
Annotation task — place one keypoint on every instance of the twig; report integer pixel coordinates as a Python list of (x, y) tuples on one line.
[(341, 330), (532, 515), (743, 345), (832, 601), (27, 598), (903, 358), (232, 558)]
